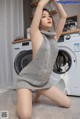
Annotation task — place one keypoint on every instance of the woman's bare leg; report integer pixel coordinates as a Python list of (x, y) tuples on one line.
[(24, 103), (56, 95)]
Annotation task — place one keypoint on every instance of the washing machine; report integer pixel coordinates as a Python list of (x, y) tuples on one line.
[(22, 56), (67, 65)]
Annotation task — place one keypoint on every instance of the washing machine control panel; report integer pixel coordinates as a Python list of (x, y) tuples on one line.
[(71, 37), (67, 37)]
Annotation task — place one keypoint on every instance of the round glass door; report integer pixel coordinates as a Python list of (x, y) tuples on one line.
[(63, 62), (22, 60)]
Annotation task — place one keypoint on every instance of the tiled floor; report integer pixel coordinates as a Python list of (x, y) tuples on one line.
[(44, 110)]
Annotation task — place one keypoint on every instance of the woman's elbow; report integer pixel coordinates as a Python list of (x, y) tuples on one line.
[(64, 16)]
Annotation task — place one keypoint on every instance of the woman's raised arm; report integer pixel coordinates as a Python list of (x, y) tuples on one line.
[(60, 9), (62, 20), (37, 16)]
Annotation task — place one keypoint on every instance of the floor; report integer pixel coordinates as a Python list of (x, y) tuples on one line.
[(44, 110)]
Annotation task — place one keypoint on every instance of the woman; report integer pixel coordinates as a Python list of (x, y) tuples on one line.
[(36, 74)]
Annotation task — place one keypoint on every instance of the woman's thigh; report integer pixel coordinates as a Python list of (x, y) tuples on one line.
[(24, 103), (56, 96)]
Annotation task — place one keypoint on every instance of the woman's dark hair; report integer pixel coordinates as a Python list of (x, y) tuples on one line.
[(44, 9)]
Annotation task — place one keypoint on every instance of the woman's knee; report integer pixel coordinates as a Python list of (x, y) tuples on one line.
[(24, 115), (24, 104), (66, 103)]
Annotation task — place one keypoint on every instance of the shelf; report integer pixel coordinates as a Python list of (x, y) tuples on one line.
[(63, 33), (22, 40), (70, 32)]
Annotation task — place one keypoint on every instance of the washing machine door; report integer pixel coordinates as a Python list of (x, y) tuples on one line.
[(22, 60), (64, 61)]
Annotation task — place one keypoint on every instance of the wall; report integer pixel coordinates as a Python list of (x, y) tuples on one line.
[(11, 26), (27, 15)]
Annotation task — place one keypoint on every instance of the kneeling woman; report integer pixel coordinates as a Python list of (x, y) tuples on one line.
[(37, 73)]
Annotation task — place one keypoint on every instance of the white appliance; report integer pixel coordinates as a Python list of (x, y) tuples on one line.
[(22, 55), (67, 65)]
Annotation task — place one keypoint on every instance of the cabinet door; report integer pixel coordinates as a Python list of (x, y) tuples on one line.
[(27, 15)]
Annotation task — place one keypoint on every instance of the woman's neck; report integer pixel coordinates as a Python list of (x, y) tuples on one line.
[(45, 29)]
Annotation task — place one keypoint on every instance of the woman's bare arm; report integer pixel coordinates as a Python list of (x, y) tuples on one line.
[(37, 16), (62, 20)]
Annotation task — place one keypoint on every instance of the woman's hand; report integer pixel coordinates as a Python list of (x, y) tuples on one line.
[(43, 2)]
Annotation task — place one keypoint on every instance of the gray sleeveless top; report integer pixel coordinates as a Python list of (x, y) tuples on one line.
[(36, 74)]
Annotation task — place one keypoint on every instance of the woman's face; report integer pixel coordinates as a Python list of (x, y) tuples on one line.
[(46, 20)]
